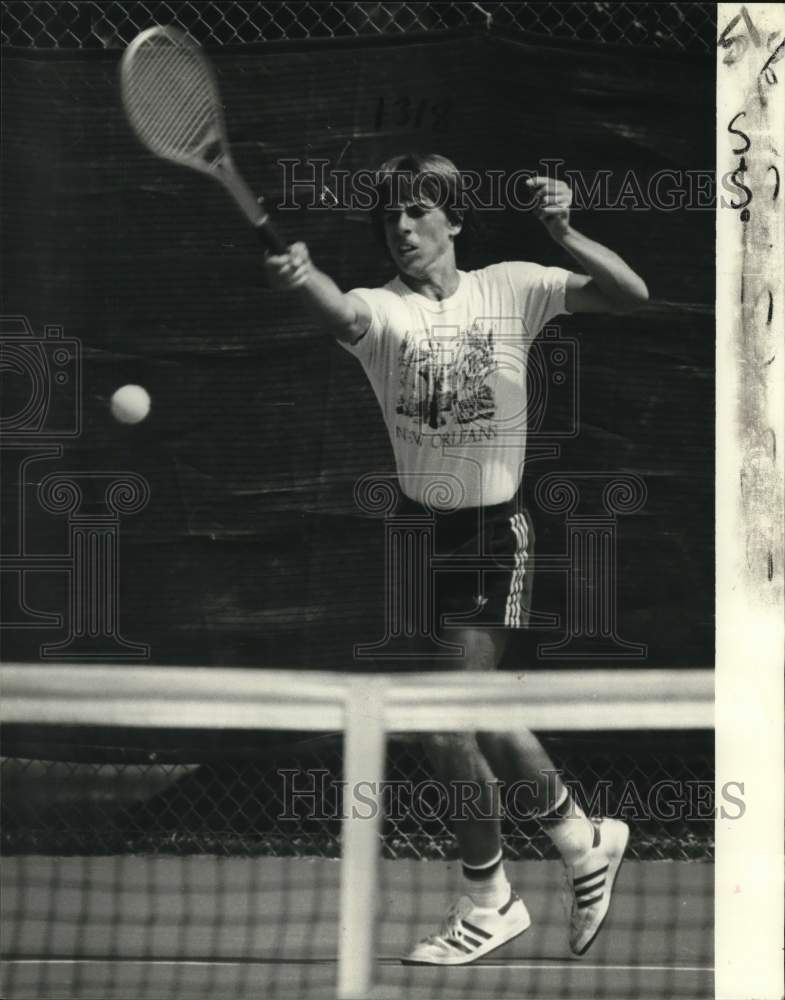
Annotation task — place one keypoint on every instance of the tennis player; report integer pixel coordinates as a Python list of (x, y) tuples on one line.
[(445, 352)]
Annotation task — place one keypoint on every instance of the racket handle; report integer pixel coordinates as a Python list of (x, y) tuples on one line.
[(268, 236), (252, 207)]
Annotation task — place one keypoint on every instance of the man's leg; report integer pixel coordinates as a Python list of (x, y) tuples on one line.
[(512, 758), (456, 760), (457, 757), (490, 913), (592, 858)]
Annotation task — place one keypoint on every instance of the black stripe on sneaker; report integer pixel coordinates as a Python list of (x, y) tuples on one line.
[(590, 887), (474, 942), (583, 903), (459, 945), (585, 878), (476, 930)]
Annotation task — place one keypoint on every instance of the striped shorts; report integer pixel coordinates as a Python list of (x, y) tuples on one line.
[(484, 563)]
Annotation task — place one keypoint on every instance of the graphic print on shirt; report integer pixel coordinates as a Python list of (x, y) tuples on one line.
[(448, 380)]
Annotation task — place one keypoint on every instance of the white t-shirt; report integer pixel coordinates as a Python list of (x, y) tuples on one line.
[(450, 378)]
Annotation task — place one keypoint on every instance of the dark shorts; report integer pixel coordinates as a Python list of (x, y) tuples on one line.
[(484, 560)]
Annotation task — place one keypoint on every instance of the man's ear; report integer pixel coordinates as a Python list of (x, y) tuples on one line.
[(456, 223)]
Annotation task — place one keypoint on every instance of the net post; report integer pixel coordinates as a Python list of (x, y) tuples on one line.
[(364, 755)]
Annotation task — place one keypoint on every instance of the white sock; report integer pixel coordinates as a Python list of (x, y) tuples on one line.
[(569, 829), (487, 885)]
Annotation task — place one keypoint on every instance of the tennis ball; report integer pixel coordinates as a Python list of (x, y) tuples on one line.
[(130, 404)]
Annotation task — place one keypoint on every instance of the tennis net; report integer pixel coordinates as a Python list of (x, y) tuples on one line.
[(177, 833)]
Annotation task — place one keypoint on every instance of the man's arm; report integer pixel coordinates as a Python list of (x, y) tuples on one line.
[(609, 284), (343, 314)]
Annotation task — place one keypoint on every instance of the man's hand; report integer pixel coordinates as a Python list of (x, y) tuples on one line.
[(552, 201), (289, 270), (347, 317)]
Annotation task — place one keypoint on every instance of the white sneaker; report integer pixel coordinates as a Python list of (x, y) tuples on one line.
[(591, 880), (469, 932)]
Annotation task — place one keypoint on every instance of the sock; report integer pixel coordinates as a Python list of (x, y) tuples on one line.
[(569, 829), (487, 885)]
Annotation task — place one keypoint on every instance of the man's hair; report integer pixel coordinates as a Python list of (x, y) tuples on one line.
[(422, 178)]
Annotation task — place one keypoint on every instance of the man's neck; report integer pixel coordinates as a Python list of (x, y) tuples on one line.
[(440, 283)]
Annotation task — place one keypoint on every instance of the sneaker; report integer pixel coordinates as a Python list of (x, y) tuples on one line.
[(591, 880), (469, 932)]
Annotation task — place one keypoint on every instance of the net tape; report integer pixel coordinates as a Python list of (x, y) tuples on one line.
[(68, 24)]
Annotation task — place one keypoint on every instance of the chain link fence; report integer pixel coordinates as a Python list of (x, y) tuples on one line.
[(288, 802), (42, 24)]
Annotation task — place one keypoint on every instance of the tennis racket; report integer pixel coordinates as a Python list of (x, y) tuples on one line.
[(172, 101)]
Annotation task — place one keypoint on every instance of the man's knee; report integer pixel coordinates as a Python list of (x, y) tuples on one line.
[(482, 648)]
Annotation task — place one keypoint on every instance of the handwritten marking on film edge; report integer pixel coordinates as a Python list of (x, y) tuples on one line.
[(751, 58)]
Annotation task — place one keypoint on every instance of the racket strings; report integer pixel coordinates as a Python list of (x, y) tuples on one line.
[(172, 99), (170, 110), (180, 122)]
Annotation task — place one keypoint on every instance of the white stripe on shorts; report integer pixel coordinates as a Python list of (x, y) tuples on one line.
[(512, 611)]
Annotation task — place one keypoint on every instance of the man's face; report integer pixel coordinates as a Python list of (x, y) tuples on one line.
[(418, 235)]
